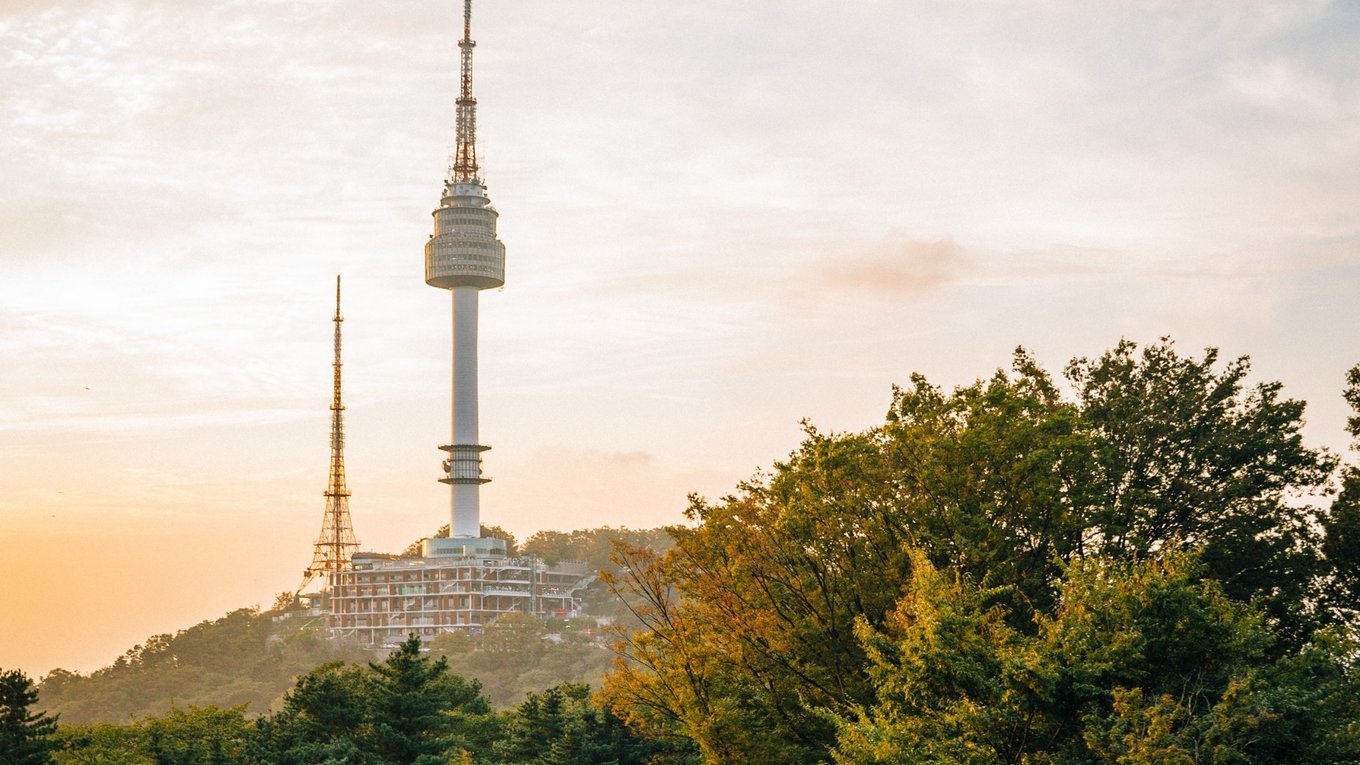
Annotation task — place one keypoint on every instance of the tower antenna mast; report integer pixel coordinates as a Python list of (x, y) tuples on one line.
[(336, 544), (464, 257), (465, 150)]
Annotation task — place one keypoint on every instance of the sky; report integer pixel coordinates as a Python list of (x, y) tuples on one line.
[(720, 219)]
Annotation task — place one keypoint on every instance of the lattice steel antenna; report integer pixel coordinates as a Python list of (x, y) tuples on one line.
[(336, 544), (465, 151)]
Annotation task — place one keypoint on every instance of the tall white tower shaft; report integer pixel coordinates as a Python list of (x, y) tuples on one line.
[(464, 256), (466, 499)]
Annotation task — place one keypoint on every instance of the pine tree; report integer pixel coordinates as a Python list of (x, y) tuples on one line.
[(419, 708), (25, 736)]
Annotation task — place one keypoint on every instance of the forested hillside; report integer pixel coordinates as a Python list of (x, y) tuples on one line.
[(246, 657), (1140, 563), (408, 709), (251, 658)]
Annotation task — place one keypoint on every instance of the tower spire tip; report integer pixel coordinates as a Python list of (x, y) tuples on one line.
[(465, 169)]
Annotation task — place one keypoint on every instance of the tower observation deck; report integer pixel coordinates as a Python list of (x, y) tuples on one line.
[(464, 257), (466, 581)]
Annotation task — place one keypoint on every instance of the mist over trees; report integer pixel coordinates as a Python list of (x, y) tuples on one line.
[(244, 658)]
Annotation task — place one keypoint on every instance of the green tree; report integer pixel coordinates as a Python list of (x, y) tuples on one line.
[(748, 636), (193, 736), (551, 546), (1302, 708), (515, 633), (1190, 455), (508, 668), (1342, 524), (496, 532), (407, 710), (940, 666), (1140, 664), (453, 643), (25, 734), (749, 620), (196, 736), (323, 719), (418, 710), (563, 726), (100, 744), (242, 658), (533, 726), (594, 547), (995, 480), (284, 601)]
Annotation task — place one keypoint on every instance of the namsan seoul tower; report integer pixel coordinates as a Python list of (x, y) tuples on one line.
[(469, 580), (464, 257)]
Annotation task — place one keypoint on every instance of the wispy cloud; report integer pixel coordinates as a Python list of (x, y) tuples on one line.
[(1279, 83), (897, 268)]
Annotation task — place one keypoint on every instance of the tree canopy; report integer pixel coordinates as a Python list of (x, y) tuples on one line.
[(756, 631), (406, 710), (25, 733), (1143, 662), (1341, 545), (244, 658), (1132, 564)]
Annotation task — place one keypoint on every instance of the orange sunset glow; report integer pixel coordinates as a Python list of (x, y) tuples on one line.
[(720, 219)]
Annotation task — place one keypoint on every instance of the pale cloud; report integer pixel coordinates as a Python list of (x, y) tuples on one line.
[(897, 268), (1282, 84)]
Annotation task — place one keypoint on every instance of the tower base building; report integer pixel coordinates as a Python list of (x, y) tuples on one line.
[(455, 584)]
